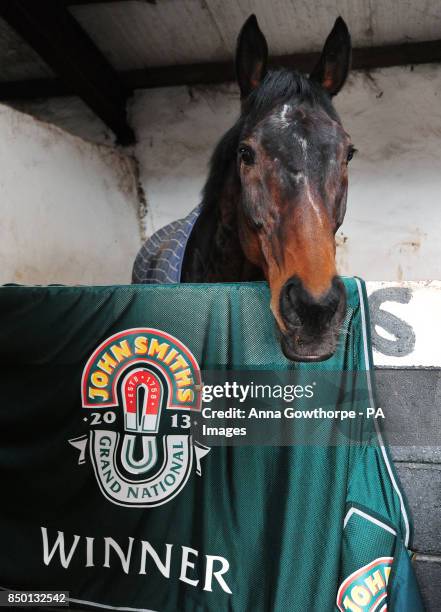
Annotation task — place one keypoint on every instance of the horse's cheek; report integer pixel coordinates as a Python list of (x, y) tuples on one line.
[(251, 246)]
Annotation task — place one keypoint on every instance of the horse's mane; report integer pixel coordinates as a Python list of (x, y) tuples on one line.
[(278, 87)]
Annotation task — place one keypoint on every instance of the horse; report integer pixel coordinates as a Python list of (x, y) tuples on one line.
[(275, 196)]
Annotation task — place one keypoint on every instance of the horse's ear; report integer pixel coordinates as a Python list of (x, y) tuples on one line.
[(333, 65), (251, 56)]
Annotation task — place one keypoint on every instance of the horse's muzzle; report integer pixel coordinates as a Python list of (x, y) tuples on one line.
[(311, 325)]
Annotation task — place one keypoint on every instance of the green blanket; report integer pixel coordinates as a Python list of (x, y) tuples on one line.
[(106, 495)]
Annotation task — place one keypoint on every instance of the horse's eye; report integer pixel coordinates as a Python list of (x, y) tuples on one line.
[(352, 151), (246, 155)]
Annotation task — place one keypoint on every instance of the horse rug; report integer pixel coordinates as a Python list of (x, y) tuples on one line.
[(109, 494), (160, 258)]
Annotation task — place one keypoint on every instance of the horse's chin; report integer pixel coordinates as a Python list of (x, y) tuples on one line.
[(312, 351)]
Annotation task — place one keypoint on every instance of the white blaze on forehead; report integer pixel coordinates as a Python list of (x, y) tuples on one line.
[(304, 144), (298, 176), (283, 114)]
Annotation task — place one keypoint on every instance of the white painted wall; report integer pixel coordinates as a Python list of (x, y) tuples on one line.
[(68, 207), (421, 312), (393, 223)]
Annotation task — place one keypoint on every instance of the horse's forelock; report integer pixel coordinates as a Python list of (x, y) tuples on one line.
[(280, 86)]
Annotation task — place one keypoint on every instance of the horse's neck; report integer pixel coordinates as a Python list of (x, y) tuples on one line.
[(214, 253)]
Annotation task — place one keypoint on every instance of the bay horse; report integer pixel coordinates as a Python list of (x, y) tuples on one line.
[(276, 194)]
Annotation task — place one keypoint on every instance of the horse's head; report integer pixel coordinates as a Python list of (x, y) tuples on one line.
[(292, 163)]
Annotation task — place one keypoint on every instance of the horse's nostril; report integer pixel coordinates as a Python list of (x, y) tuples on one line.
[(289, 301), (298, 306), (332, 299)]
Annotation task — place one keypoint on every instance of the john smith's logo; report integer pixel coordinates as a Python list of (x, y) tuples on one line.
[(365, 590), (140, 389)]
